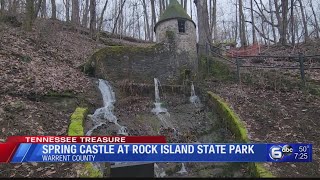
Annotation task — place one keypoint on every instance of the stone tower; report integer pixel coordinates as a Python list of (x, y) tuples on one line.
[(176, 28)]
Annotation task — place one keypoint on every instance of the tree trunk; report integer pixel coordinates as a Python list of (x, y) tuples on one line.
[(102, 14), (29, 15), (75, 17), (272, 21), (292, 23), (166, 4), (37, 8), (53, 9), (254, 38), (315, 20), (214, 21), (14, 5), (154, 20), (2, 4), (282, 20), (85, 14), (305, 25), (67, 4), (203, 25), (117, 18), (93, 20), (160, 8), (236, 26), (146, 18), (242, 25), (44, 9), (185, 4)]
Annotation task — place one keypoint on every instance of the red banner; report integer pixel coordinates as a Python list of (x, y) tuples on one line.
[(7, 150), (87, 139)]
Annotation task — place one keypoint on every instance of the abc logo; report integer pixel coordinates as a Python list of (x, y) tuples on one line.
[(277, 152)]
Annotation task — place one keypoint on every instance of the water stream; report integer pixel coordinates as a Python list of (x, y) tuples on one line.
[(104, 114), (164, 116), (194, 99)]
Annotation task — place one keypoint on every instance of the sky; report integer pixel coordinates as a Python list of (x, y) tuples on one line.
[(225, 13)]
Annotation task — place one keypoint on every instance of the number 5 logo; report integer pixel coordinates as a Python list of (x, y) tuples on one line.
[(275, 153)]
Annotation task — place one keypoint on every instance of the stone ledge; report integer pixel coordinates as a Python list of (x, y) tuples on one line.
[(236, 126)]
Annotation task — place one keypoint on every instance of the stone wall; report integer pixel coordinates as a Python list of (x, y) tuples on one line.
[(168, 61), (138, 64), (185, 43)]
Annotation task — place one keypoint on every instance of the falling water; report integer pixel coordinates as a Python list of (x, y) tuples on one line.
[(158, 109), (194, 99), (183, 169), (164, 116), (161, 112), (104, 114)]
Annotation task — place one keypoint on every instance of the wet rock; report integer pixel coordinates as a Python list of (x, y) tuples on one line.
[(217, 171), (15, 106), (237, 174)]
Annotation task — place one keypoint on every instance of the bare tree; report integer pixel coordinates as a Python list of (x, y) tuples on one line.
[(85, 14), (93, 20), (213, 20), (282, 20), (75, 17), (160, 7), (304, 21), (53, 9), (67, 5), (153, 12), (2, 4), (37, 8), (44, 9), (292, 23), (118, 15), (29, 15), (317, 29), (203, 24), (102, 15), (236, 26), (146, 19), (242, 25), (254, 38)]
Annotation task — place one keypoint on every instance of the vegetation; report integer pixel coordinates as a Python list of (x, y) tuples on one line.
[(76, 125), (237, 127)]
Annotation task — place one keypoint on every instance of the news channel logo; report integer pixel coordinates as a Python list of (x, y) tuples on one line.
[(278, 152)]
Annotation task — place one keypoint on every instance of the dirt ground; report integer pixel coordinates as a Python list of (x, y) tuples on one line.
[(193, 124), (271, 115)]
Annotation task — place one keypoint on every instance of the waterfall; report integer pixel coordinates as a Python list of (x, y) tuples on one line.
[(158, 109), (183, 169), (104, 114), (161, 112), (164, 116), (194, 99)]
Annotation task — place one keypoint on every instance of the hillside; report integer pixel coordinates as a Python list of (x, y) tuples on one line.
[(42, 84)]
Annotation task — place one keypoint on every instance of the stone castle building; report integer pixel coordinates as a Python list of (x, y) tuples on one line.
[(172, 60), (176, 26)]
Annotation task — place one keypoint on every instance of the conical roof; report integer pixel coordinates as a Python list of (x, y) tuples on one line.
[(174, 11)]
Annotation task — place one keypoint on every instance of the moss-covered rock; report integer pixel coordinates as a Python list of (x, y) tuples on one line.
[(15, 106), (90, 172), (76, 129), (60, 94), (232, 120), (76, 125), (236, 126)]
